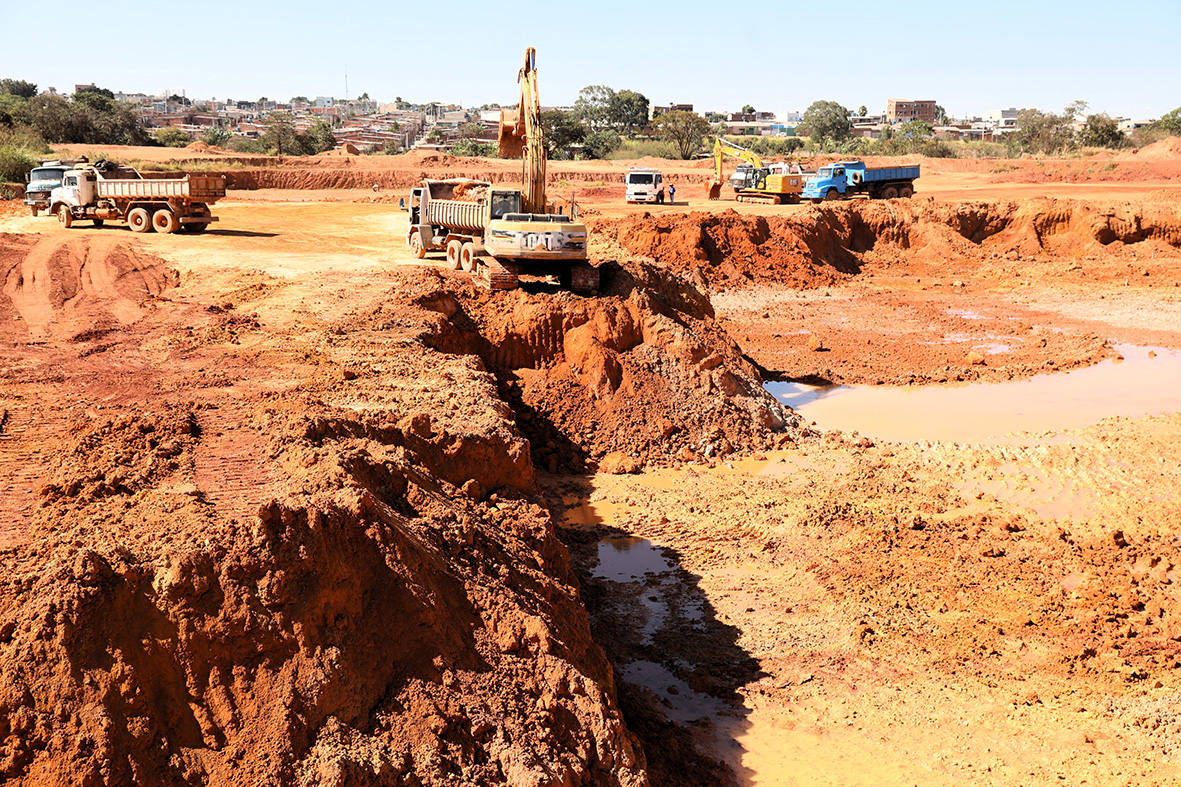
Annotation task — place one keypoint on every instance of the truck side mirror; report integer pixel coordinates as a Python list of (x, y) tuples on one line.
[(401, 203)]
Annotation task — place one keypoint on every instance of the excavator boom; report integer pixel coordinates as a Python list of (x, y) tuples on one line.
[(520, 135)]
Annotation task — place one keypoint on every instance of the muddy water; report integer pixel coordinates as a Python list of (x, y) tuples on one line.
[(1145, 381)]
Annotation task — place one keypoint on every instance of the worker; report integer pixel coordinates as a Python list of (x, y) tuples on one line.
[(672, 194)]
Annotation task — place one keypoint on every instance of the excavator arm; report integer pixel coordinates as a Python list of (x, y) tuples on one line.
[(723, 148), (520, 135)]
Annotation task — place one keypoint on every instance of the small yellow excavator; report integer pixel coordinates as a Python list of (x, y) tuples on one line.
[(774, 184)]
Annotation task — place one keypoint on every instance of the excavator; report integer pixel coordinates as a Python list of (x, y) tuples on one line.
[(520, 136), (774, 184)]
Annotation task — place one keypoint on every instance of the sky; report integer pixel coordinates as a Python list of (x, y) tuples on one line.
[(971, 57)]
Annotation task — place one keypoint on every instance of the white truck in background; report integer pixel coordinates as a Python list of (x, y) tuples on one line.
[(644, 185), (102, 191)]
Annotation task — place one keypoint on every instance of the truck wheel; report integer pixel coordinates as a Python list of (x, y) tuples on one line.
[(33, 210), (467, 257), (453, 249), (164, 221), (416, 246), (64, 217), (139, 220), (889, 192), (98, 222), (832, 194), (905, 192)]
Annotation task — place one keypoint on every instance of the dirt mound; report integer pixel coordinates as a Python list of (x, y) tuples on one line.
[(1168, 149), (79, 284), (198, 147), (643, 369), (347, 149), (826, 243)]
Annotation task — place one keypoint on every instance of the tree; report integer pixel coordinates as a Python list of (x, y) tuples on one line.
[(940, 115), (280, 137), (1170, 122), (599, 143), (560, 131), (471, 130), (914, 129), (318, 138), (716, 117), (1074, 109), (628, 112), (828, 120), (102, 91), (1101, 131), (18, 87), (299, 100), (684, 129), (748, 110), (593, 106), (1043, 132), (177, 99), (862, 111), (216, 136), (172, 137), (364, 96)]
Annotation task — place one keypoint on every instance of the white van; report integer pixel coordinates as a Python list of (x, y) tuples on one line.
[(645, 185)]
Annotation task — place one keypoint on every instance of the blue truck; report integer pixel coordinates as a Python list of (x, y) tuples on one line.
[(846, 178)]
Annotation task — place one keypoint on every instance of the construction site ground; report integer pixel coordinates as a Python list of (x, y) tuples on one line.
[(218, 452)]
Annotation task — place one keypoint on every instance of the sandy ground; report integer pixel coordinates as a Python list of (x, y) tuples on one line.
[(843, 610)]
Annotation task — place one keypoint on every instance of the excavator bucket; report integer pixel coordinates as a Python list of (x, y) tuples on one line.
[(715, 190), (510, 140)]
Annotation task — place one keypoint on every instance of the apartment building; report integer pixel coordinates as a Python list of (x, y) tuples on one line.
[(901, 110)]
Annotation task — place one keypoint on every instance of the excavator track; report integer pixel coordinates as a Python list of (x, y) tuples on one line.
[(494, 275), (766, 199)]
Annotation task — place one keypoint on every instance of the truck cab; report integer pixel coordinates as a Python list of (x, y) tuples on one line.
[(832, 181), (42, 180), (645, 185)]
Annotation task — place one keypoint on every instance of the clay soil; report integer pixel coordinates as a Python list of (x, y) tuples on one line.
[(280, 504)]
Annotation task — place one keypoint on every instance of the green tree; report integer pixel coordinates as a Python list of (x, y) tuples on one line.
[(18, 87), (828, 120), (473, 147), (318, 138), (299, 100), (280, 138), (1101, 131), (940, 115), (748, 110), (716, 117), (102, 91), (1074, 109), (178, 99), (1043, 132), (364, 96), (628, 112), (470, 130), (862, 111), (684, 129), (216, 136), (1170, 122), (599, 143), (560, 131), (593, 106), (171, 137), (914, 129)]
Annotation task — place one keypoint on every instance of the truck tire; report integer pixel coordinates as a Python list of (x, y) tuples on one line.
[(33, 210), (64, 217), (889, 192), (164, 221), (98, 222), (139, 220), (416, 245), (905, 192), (469, 258), (832, 194), (453, 249)]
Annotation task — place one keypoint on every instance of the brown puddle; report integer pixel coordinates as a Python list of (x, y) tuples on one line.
[(1144, 382)]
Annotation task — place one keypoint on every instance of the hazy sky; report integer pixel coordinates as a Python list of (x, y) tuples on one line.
[(1120, 57)]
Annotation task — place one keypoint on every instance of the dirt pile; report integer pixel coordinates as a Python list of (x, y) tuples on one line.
[(826, 243), (644, 369), (1168, 149), (80, 285)]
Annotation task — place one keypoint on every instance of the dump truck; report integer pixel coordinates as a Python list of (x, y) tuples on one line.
[(846, 178), (484, 231), (43, 179), (644, 185), (105, 191)]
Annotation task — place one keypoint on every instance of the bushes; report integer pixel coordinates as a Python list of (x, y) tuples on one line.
[(172, 137), (15, 163), (633, 149)]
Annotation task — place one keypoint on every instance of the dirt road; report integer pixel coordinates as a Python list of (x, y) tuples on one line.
[(269, 500)]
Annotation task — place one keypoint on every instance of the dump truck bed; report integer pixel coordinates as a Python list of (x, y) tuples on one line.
[(891, 173), (195, 188)]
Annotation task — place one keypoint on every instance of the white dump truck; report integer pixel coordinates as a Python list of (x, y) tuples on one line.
[(104, 191)]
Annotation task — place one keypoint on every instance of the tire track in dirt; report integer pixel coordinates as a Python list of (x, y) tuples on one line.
[(24, 467), (230, 465)]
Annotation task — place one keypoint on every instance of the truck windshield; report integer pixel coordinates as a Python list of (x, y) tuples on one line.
[(46, 173), (640, 179), (824, 172)]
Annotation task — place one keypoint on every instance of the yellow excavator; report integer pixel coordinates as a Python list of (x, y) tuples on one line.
[(774, 184)]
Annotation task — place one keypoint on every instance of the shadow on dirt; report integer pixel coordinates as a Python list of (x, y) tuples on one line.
[(678, 668), (241, 233)]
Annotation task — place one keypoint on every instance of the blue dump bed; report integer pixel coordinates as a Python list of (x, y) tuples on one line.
[(891, 173)]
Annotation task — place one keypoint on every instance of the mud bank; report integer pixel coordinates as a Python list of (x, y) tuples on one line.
[(826, 244)]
